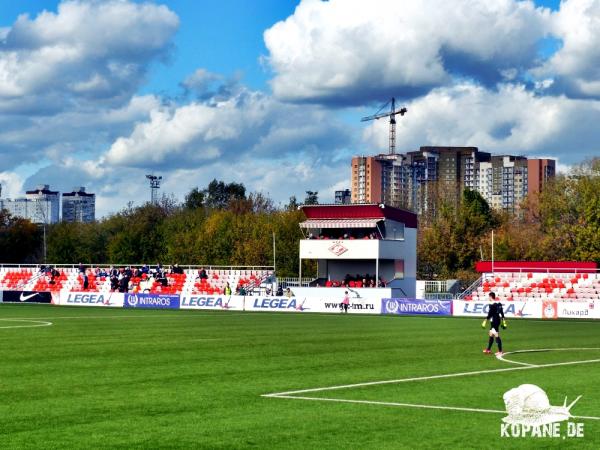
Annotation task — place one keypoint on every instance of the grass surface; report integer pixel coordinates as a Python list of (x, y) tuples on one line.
[(111, 378)]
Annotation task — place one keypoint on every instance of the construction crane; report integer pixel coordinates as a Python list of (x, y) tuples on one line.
[(392, 115)]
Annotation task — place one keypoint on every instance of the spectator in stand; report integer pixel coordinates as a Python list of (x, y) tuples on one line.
[(289, 293), (372, 283), (202, 274), (81, 268), (102, 273), (124, 284), (145, 269), (227, 290), (158, 269), (114, 281), (279, 292), (240, 290), (177, 270), (86, 282)]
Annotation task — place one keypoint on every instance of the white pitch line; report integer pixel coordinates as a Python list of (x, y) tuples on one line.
[(408, 405), (524, 366), (41, 323), (540, 350), (432, 377)]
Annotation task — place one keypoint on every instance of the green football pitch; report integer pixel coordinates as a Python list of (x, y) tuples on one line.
[(112, 378)]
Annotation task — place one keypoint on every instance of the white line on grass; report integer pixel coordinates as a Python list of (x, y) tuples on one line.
[(523, 366), (37, 323), (539, 350), (409, 405), (432, 377)]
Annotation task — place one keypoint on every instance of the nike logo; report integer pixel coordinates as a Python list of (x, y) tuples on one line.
[(24, 298)]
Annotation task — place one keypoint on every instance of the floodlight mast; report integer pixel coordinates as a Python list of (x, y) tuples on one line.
[(392, 115), (154, 187)]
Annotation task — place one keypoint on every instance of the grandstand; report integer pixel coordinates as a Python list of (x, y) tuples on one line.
[(523, 281), (70, 279)]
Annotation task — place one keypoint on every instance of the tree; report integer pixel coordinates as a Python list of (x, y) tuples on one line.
[(312, 198), (20, 240), (194, 199), (452, 242), (292, 204), (218, 194)]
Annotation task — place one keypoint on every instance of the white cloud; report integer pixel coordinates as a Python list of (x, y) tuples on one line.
[(276, 148), (509, 120), (87, 50), (352, 51), (576, 65), (12, 185), (248, 123)]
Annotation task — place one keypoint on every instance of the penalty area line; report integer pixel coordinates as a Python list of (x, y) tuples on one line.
[(425, 378), (406, 405)]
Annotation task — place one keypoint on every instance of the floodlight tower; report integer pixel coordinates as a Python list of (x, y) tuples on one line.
[(154, 187)]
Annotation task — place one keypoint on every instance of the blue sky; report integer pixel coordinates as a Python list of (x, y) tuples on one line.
[(270, 93)]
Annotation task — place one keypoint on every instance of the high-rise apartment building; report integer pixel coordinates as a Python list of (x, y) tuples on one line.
[(39, 205), (417, 179), (78, 206), (539, 172), (366, 180)]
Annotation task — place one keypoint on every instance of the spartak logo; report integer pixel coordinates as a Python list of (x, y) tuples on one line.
[(337, 249)]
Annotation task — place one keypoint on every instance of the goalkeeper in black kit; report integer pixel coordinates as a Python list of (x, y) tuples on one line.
[(496, 318)]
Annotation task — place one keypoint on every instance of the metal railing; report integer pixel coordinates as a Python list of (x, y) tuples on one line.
[(294, 282), (471, 288)]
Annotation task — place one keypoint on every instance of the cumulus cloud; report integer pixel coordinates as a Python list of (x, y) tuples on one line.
[(251, 122), (11, 185), (68, 79), (351, 51), (31, 139), (575, 67), (273, 147), (509, 120), (87, 51)]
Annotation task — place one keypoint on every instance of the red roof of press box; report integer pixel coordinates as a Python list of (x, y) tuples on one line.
[(366, 211)]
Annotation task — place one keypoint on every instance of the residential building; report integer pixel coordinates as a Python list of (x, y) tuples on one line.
[(39, 205), (78, 206), (418, 179), (366, 180), (539, 171), (343, 197)]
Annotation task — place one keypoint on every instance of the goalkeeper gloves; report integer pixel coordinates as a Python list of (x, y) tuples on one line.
[(504, 324), (483, 323)]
